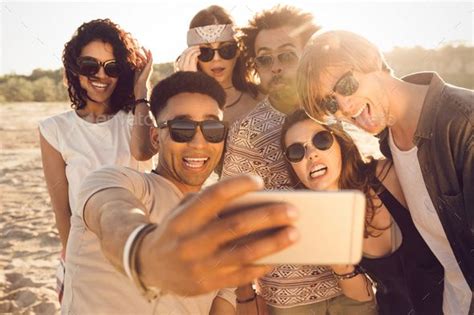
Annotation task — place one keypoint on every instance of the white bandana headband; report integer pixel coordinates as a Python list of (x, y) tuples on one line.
[(211, 34)]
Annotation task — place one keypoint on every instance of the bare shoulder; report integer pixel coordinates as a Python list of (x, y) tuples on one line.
[(385, 172)]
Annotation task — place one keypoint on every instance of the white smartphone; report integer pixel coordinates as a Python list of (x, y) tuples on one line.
[(331, 225)]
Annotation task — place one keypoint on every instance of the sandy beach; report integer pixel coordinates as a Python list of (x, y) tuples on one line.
[(29, 243)]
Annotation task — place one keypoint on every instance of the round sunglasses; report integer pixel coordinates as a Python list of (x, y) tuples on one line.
[(226, 52), (90, 66), (345, 86), (183, 130), (322, 141)]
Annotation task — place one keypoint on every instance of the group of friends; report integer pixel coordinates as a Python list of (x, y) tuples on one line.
[(265, 106)]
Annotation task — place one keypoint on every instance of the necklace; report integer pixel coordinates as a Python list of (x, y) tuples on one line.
[(236, 101)]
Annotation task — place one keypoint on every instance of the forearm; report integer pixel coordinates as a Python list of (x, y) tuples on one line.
[(141, 146), (357, 288), (103, 218), (247, 301), (63, 224)]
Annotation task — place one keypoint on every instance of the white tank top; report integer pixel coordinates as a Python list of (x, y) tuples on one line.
[(457, 294), (86, 147)]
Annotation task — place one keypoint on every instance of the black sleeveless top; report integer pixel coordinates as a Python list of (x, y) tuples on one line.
[(411, 279)]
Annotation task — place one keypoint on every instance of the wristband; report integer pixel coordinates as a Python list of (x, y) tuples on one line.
[(139, 101), (357, 271), (246, 300), (126, 249)]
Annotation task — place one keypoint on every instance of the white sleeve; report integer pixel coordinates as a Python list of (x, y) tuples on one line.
[(111, 177), (49, 130), (228, 294)]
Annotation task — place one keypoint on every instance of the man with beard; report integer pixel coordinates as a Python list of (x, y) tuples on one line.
[(274, 41)]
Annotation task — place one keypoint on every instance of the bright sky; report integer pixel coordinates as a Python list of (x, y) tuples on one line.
[(33, 33)]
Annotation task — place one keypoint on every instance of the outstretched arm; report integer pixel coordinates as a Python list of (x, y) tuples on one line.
[(188, 253)]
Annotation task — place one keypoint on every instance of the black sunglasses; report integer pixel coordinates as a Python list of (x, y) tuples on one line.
[(322, 140), (287, 58), (345, 86), (183, 130), (89, 66), (226, 52)]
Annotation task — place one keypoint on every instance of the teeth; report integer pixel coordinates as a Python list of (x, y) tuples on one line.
[(318, 170), (194, 162), (99, 85), (359, 112)]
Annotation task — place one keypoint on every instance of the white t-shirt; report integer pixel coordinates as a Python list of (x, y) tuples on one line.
[(457, 294), (86, 147), (92, 284)]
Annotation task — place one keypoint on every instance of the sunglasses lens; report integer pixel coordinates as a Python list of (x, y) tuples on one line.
[(228, 51), (347, 85), (264, 61), (214, 131), (206, 54), (288, 58), (182, 130), (295, 152), (112, 69), (87, 66), (323, 140), (330, 103)]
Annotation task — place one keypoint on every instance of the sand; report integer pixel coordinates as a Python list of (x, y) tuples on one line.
[(29, 243)]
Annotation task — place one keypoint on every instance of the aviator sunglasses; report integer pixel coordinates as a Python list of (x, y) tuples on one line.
[(345, 86), (89, 66), (226, 52), (287, 58), (322, 141), (183, 130)]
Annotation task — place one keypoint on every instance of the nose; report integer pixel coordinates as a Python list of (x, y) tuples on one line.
[(311, 152), (198, 141), (276, 66), (101, 73), (216, 55)]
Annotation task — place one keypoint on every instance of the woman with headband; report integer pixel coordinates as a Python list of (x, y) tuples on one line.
[(214, 48), (106, 76)]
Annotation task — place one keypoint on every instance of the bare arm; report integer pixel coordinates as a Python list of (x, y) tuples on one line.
[(357, 288), (54, 169), (140, 145), (185, 254), (221, 306)]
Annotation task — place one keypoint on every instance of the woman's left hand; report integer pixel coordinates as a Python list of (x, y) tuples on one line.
[(143, 75)]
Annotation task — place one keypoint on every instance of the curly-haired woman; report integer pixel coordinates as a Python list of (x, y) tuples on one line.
[(106, 75)]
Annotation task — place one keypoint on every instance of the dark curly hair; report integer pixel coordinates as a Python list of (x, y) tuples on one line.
[(125, 52), (276, 17), (185, 82), (217, 15), (355, 173)]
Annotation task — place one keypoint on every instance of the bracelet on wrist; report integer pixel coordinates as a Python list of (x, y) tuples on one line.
[(345, 276), (250, 299), (130, 260), (140, 101)]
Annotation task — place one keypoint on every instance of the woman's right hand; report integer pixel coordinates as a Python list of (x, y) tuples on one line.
[(188, 60)]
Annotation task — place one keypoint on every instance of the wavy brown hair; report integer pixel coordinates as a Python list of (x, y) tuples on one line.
[(356, 173), (125, 52), (218, 15)]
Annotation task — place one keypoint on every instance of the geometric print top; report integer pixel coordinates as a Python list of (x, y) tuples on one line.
[(253, 147)]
